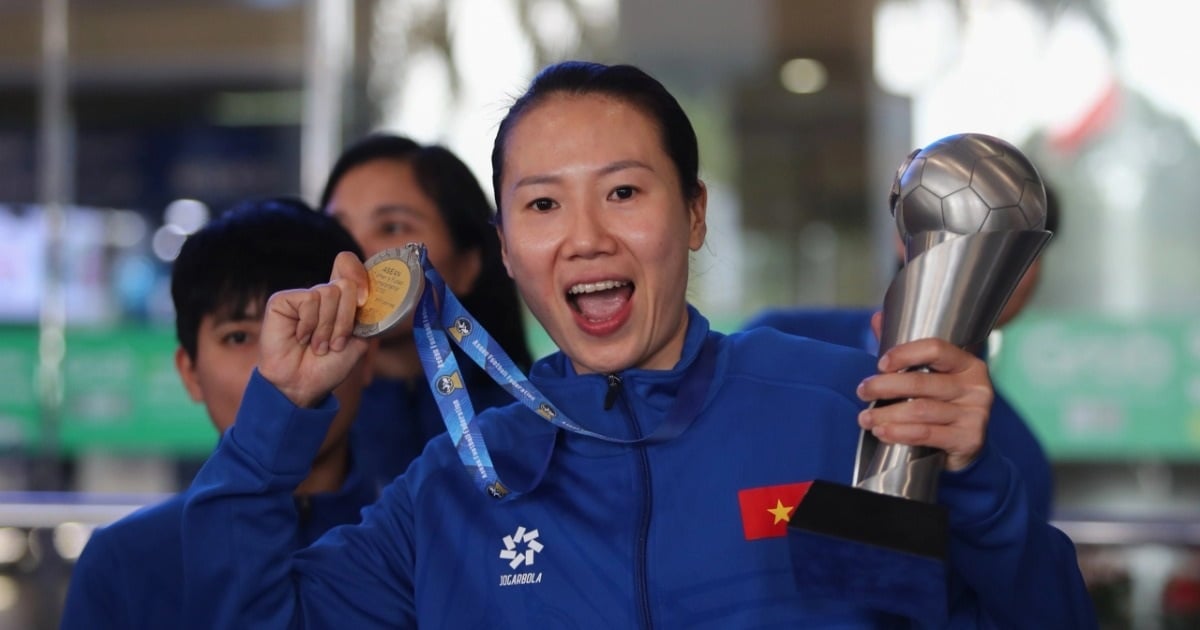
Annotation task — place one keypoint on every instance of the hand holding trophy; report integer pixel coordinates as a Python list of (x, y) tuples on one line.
[(971, 212)]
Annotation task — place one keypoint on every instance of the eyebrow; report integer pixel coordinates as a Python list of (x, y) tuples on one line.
[(229, 317), (385, 210), (607, 169)]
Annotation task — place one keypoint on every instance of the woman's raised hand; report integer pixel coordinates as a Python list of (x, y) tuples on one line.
[(307, 348)]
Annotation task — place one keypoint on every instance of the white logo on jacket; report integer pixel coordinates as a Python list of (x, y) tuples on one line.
[(520, 549)]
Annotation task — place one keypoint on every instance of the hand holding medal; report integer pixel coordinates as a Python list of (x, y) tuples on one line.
[(312, 338)]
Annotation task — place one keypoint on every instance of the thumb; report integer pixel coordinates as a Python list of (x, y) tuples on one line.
[(348, 267), (877, 324)]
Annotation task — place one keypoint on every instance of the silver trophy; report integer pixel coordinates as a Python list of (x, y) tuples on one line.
[(971, 210)]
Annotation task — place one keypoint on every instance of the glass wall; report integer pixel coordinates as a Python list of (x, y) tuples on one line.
[(124, 125)]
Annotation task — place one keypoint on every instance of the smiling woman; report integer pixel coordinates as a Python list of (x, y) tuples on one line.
[(664, 500)]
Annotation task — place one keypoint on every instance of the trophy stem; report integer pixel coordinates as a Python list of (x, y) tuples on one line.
[(904, 471)]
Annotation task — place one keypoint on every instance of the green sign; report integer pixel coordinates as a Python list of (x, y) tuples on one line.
[(120, 393), (18, 395), (1092, 387)]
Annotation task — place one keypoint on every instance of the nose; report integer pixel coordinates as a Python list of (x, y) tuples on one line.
[(589, 235)]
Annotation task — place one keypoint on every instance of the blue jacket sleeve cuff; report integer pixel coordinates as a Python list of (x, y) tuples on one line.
[(283, 438), (980, 492)]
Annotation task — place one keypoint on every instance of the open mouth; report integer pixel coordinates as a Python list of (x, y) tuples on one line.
[(599, 302)]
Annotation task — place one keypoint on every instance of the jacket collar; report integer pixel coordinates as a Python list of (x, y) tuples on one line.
[(522, 443)]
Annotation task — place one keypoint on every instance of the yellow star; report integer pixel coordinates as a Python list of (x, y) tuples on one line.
[(782, 512)]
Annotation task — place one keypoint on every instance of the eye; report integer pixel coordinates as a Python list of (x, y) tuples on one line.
[(621, 193), (236, 338), (394, 227), (543, 204)]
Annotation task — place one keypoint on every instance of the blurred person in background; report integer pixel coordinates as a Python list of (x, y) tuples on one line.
[(130, 575), (1007, 430), (388, 191)]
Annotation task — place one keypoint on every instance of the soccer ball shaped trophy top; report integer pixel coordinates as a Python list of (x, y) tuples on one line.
[(967, 183)]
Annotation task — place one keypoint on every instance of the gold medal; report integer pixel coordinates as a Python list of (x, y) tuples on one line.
[(394, 284)]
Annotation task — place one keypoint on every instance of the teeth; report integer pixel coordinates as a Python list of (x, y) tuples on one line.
[(592, 287)]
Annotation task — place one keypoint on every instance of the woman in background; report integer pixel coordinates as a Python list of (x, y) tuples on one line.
[(388, 191)]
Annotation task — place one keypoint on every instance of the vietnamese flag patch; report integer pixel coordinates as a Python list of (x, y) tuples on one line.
[(767, 510)]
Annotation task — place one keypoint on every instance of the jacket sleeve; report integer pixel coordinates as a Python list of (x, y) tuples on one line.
[(1023, 571), (240, 526), (94, 598)]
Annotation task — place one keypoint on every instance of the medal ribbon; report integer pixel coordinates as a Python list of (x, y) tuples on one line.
[(450, 392)]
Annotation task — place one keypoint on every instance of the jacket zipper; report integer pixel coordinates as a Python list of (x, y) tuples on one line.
[(642, 533), (304, 514), (614, 390)]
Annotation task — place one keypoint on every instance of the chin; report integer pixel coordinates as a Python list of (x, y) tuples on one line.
[(587, 360)]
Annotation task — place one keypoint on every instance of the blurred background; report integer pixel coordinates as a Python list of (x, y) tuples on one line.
[(126, 124)]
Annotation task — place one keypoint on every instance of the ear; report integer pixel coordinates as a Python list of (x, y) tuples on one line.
[(504, 250), (697, 218), (187, 373)]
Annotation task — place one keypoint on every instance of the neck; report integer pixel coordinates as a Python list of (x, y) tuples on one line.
[(328, 472), (397, 359)]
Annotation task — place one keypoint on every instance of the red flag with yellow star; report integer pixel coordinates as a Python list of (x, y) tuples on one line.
[(767, 510)]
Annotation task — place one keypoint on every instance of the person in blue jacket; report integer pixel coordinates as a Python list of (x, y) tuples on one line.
[(388, 191), (131, 573), (1007, 430), (659, 492)]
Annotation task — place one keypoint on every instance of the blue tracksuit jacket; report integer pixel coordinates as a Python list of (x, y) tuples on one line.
[(131, 575), (396, 418), (626, 536), (1007, 431)]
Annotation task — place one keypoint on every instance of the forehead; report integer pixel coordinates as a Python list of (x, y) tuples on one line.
[(591, 123), (236, 307), (375, 175), (391, 166), (379, 188)]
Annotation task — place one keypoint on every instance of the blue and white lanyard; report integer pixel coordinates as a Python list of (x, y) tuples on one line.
[(450, 392)]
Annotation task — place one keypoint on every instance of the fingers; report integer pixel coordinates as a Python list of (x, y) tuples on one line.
[(936, 354), (347, 306), (331, 307), (951, 427), (913, 384), (328, 296), (944, 405), (327, 310), (291, 314), (323, 316)]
